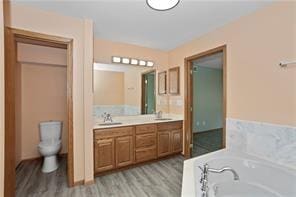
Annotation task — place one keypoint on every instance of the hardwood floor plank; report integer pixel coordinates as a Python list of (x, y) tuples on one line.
[(159, 179)]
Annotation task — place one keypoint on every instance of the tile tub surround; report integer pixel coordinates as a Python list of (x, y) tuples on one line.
[(272, 142), (136, 120)]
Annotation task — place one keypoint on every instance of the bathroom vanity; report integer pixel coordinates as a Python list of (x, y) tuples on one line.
[(135, 141)]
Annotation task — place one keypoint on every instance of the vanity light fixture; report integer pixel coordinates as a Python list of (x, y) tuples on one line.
[(150, 64), (116, 59), (142, 63), (125, 60), (162, 5), (134, 62)]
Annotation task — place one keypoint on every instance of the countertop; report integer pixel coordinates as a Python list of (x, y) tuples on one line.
[(136, 120)]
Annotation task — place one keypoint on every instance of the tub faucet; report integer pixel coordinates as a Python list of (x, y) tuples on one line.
[(204, 176)]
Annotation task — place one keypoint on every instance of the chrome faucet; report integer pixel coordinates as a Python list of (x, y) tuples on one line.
[(204, 176), (158, 114), (107, 117)]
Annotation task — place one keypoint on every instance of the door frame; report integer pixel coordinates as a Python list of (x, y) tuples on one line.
[(12, 36), (188, 97), (143, 93)]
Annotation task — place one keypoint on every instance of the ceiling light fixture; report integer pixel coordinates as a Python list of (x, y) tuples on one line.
[(162, 5)]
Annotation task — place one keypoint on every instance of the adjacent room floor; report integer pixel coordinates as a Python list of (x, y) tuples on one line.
[(162, 178), (206, 142)]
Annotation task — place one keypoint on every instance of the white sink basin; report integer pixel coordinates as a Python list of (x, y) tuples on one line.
[(109, 123), (163, 119)]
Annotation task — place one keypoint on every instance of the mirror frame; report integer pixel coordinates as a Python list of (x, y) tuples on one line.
[(162, 78), (171, 72)]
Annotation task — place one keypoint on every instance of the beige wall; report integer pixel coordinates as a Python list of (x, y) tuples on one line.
[(133, 86), (1, 101), (38, 96), (36, 20), (28, 53), (109, 88), (104, 50), (44, 98), (257, 88), (18, 115)]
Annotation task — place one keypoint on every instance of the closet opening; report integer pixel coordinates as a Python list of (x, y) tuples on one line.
[(38, 107)]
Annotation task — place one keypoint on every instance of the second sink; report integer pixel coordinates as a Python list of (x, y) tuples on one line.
[(109, 123), (163, 119)]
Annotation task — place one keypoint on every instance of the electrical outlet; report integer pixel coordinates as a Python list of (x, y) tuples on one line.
[(197, 123), (203, 123)]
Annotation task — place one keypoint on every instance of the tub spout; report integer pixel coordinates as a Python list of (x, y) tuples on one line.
[(235, 175), (204, 176)]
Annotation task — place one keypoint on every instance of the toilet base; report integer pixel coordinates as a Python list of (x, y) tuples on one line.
[(50, 164)]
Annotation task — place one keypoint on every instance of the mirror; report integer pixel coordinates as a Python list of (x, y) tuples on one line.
[(124, 90), (174, 81), (162, 83)]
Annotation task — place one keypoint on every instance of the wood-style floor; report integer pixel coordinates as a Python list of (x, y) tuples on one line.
[(159, 179)]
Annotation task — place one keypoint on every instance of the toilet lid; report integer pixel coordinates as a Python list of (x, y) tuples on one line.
[(49, 143)]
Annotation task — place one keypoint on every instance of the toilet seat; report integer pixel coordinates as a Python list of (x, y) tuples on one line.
[(49, 143)]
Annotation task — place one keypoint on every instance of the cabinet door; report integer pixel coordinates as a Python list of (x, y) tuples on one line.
[(104, 155), (176, 141), (124, 151), (164, 143)]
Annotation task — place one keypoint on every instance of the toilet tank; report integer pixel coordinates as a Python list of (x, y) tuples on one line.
[(51, 130)]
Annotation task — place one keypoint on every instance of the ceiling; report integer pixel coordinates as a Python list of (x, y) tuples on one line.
[(132, 21), (211, 61)]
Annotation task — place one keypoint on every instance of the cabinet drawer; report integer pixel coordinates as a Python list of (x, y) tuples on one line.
[(170, 126), (145, 154), (113, 132), (145, 140), (149, 128)]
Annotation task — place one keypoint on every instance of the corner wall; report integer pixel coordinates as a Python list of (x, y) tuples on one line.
[(35, 20), (257, 88)]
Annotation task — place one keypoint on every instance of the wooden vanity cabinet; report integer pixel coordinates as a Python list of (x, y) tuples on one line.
[(124, 146), (164, 141), (113, 148), (104, 155), (169, 138), (176, 140), (124, 151), (145, 141)]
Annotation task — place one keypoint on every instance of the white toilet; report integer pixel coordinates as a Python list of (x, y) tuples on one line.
[(50, 144)]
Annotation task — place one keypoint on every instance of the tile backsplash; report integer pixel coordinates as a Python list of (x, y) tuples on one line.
[(116, 110), (273, 142)]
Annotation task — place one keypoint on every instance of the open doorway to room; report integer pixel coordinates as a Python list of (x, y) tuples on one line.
[(38, 107), (148, 92), (205, 113)]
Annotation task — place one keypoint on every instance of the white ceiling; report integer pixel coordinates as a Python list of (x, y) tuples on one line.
[(132, 21), (211, 61)]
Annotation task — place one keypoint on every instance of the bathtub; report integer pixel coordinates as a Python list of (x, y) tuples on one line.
[(258, 177)]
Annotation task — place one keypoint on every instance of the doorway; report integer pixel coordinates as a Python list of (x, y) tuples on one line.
[(205, 103), (13, 37), (148, 92)]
